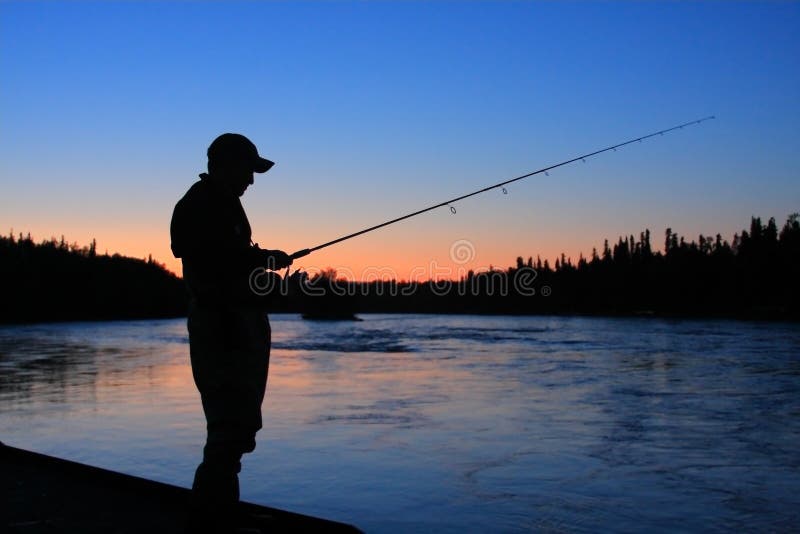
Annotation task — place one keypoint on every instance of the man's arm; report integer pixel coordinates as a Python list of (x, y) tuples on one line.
[(216, 267)]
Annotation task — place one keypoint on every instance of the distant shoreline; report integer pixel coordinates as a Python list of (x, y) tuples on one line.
[(766, 317), (754, 277)]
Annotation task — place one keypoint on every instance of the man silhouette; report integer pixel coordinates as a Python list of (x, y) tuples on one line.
[(229, 333)]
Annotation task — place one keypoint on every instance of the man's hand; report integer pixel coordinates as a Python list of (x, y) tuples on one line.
[(275, 260)]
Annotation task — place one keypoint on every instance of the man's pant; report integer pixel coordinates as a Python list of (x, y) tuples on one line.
[(229, 350)]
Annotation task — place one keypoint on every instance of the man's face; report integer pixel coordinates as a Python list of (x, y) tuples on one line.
[(239, 178)]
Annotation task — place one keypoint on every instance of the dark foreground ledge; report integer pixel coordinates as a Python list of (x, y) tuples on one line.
[(41, 493)]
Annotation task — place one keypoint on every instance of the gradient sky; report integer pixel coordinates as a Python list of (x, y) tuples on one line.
[(373, 110)]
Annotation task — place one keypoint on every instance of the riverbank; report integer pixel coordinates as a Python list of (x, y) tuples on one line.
[(47, 494)]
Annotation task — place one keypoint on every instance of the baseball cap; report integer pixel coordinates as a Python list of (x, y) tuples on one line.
[(236, 148)]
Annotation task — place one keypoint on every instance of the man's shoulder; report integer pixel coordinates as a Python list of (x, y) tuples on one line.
[(197, 192), (197, 198), (189, 213)]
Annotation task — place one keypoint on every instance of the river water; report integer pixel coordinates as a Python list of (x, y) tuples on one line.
[(433, 423)]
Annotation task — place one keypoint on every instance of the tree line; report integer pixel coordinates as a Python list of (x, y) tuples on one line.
[(59, 281), (753, 276), (756, 275)]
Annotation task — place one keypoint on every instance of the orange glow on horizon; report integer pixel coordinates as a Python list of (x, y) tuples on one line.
[(410, 260)]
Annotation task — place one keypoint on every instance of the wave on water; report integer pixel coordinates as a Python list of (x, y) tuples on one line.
[(347, 341), (360, 338), (479, 334), (403, 412), (172, 338), (367, 419)]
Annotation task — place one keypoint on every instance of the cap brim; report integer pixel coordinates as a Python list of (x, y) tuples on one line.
[(262, 165)]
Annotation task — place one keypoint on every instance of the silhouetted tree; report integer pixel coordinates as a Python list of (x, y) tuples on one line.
[(53, 281)]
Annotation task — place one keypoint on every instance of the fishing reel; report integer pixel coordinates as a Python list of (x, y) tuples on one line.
[(299, 276)]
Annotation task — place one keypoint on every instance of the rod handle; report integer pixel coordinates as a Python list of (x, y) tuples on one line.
[(300, 253)]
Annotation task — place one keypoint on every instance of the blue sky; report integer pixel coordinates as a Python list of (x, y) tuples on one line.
[(372, 110)]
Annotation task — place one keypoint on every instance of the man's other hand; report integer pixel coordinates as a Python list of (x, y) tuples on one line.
[(296, 284)]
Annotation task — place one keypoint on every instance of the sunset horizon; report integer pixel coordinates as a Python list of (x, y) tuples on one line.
[(101, 142), (459, 258)]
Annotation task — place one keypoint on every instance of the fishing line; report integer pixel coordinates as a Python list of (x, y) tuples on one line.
[(448, 203)]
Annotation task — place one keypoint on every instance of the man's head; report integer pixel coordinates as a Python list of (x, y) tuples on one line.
[(233, 158)]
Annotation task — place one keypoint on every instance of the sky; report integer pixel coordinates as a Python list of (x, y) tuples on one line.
[(375, 109)]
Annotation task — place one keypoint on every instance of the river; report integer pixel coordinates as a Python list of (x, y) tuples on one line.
[(434, 423)]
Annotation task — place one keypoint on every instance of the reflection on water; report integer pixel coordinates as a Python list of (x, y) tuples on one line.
[(439, 423)]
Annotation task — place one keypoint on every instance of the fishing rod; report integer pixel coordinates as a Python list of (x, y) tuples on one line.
[(307, 251)]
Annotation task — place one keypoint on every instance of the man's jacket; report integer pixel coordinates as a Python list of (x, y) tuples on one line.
[(210, 233)]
